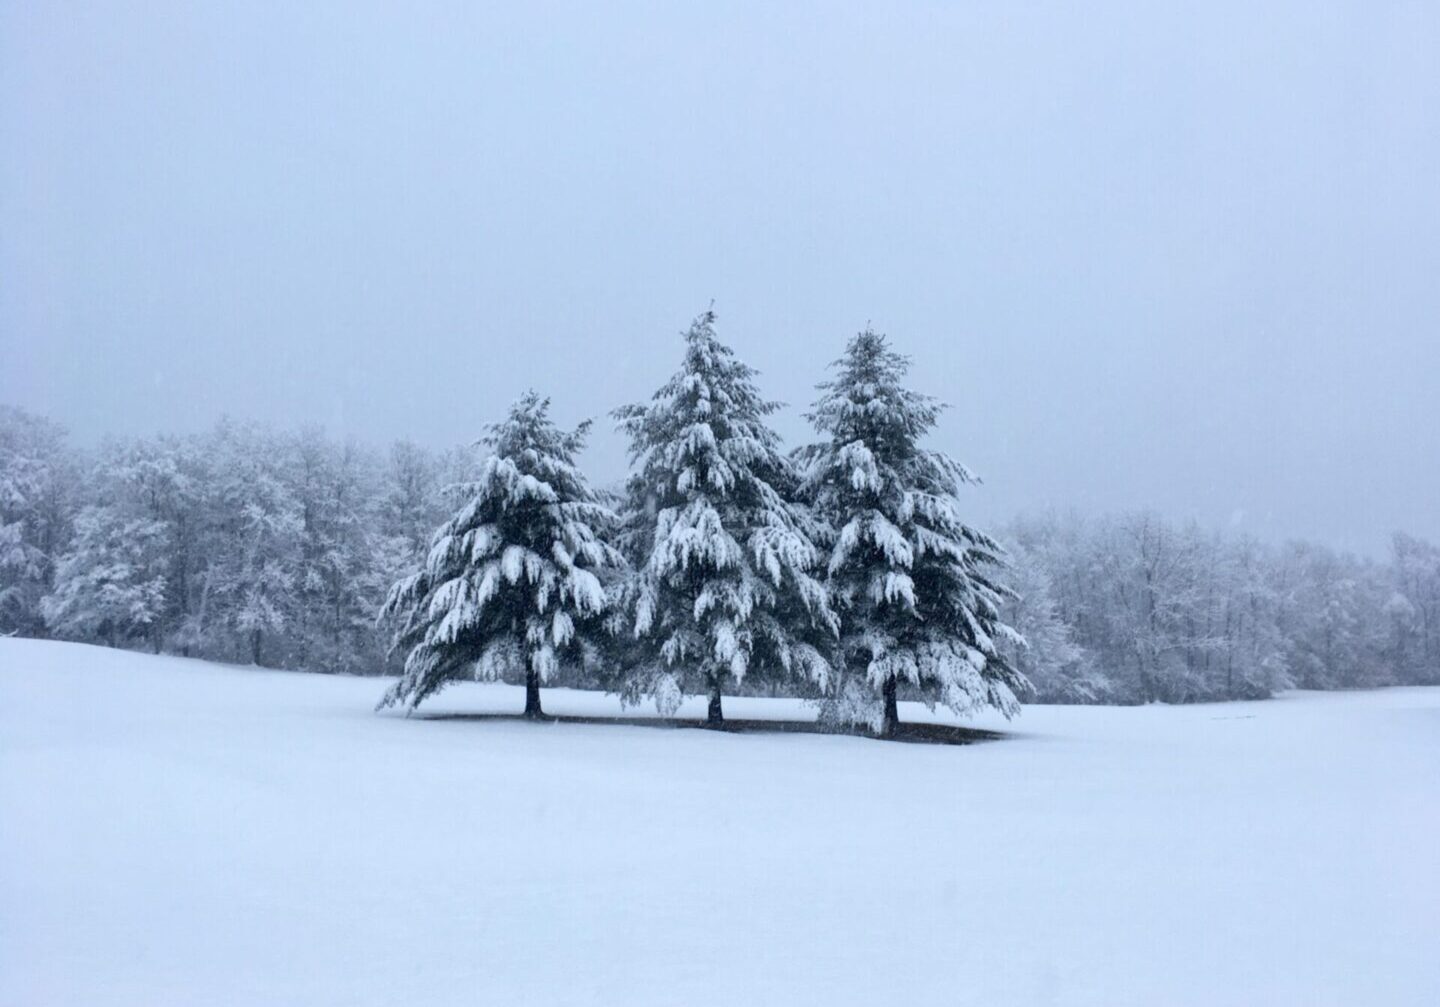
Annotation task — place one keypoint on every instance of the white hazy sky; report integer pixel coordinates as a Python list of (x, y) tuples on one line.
[(1180, 256)]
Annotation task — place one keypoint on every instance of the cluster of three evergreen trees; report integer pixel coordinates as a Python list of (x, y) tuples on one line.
[(845, 565)]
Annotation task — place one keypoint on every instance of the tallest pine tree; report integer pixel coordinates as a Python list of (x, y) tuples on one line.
[(723, 563), (913, 585)]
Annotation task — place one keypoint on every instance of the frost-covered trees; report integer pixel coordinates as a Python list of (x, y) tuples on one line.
[(1245, 653), (512, 583), (410, 497), (346, 563), (111, 582), (1167, 612), (36, 511), (1055, 667), (259, 546), (124, 573), (1335, 622), (167, 481), (250, 589), (275, 547), (723, 584), (914, 586), (1413, 609)]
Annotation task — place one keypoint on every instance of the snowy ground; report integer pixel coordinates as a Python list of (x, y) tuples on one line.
[(173, 832)]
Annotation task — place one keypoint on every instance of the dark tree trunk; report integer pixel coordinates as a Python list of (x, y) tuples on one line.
[(715, 714), (890, 722), (255, 647), (532, 694)]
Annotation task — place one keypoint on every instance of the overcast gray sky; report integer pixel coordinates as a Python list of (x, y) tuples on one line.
[(1181, 256)]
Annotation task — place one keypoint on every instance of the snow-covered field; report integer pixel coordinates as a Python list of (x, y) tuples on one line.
[(174, 832)]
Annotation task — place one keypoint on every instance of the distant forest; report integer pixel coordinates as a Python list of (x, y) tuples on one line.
[(277, 548)]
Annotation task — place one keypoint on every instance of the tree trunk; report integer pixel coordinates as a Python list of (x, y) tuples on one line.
[(532, 695), (255, 647), (890, 721), (715, 714)]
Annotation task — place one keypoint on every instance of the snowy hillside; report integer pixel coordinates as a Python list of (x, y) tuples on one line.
[(179, 832)]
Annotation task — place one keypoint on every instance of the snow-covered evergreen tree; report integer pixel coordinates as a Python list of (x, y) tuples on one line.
[(512, 584), (914, 586), (723, 582)]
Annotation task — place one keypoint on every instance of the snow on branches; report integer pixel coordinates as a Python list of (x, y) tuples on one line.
[(723, 581), (913, 585), (512, 583)]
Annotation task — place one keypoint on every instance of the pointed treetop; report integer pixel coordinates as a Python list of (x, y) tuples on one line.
[(528, 427), (712, 399), (866, 399)]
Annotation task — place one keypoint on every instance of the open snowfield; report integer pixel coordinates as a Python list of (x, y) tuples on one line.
[(174, 832)]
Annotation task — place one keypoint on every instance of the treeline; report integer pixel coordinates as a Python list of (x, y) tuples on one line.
[(1134, 608), (241, 544), (840, 571)]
